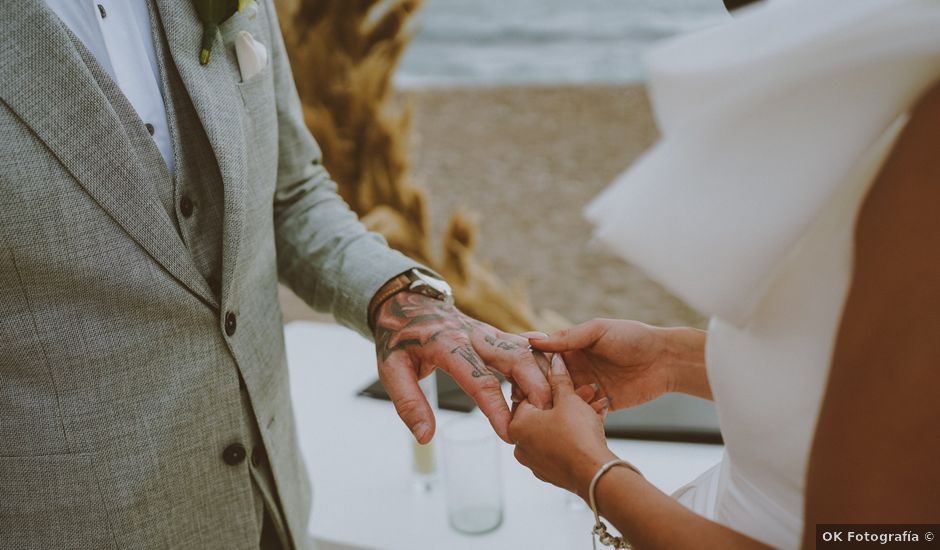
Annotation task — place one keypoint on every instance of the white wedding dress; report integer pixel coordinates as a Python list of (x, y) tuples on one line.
[(774, 126)]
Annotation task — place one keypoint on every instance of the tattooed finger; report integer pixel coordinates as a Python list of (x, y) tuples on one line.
[(471, 358), (498, 343)]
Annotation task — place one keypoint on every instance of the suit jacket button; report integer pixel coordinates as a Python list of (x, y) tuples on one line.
[(230, 324), (234, 454), (186, 206), (150, 128)]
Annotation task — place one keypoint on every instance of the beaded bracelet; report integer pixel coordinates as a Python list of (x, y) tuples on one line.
[(600, 529)]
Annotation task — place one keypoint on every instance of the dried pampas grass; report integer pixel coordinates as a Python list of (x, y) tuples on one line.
[(344, 53)]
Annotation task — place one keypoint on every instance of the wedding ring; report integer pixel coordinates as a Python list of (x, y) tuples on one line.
[(541, 360)]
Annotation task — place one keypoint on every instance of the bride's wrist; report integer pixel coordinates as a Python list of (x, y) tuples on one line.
[(684, 351), (585, 473)]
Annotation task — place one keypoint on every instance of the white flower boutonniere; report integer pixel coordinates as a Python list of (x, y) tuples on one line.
[(213, 13)]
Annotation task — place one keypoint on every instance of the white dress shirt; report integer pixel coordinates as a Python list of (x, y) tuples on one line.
[(118, 34)]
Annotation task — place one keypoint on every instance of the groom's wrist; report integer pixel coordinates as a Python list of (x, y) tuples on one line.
[(417, 280), (394, 286)]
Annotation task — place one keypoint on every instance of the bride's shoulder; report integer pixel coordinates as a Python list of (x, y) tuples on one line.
[(928, 106), (900, 217)]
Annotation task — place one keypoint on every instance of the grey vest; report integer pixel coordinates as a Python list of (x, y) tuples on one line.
[(193, 199), (196, 196)]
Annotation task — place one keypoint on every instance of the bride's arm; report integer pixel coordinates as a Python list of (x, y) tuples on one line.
[(876, 451), (631, 362), (653, 519), (565, 445)]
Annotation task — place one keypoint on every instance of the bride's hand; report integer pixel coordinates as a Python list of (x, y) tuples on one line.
[(631, 362), (564, 445)]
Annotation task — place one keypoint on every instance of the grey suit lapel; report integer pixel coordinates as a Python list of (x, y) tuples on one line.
[(218, 102), (45, 82)]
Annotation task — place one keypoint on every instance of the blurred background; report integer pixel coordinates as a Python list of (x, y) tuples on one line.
[(516, 113), (472, 43)]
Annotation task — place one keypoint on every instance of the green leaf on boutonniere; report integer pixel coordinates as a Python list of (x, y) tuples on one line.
[(213, 13)]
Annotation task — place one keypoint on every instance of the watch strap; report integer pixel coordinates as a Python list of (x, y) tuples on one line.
[(389, 289)]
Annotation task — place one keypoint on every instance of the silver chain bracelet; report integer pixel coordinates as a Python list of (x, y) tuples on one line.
[(600, 530)]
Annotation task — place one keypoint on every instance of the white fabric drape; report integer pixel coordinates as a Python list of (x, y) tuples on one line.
[(762, 119)]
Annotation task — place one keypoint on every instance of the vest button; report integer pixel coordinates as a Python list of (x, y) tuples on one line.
[(234, 454), (150, 128), (230, 324), (186, 206)]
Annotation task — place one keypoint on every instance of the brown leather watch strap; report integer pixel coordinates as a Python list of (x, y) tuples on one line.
[(389, 289)]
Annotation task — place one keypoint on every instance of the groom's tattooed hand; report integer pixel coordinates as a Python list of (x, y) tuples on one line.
[(409, 318), (501, 344), (470, 356), (415, 334)]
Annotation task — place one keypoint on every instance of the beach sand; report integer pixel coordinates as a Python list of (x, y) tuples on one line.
[(527, 160)]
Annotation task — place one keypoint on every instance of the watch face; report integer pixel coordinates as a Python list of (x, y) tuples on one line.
[(432, 286)]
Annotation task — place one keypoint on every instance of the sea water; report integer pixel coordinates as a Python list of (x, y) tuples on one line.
[(491, 42)]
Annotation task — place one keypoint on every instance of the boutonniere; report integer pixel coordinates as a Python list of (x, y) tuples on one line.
[(213, 13)]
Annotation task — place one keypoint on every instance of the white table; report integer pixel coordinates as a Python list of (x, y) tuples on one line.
[(358, 454)]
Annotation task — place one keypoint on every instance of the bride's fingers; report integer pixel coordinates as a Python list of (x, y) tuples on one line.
[(580, 336), (587, 393), (581, 368), (509, 354), (601, 406), (517, 394), (543, 361)]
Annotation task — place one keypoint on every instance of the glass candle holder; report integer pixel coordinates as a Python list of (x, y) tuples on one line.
[(472, 476), (424, 458)]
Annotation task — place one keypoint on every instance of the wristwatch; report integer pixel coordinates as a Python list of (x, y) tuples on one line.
[(414, 280)]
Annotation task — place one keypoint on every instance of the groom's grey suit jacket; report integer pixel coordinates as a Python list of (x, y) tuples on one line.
[(120, 356)]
